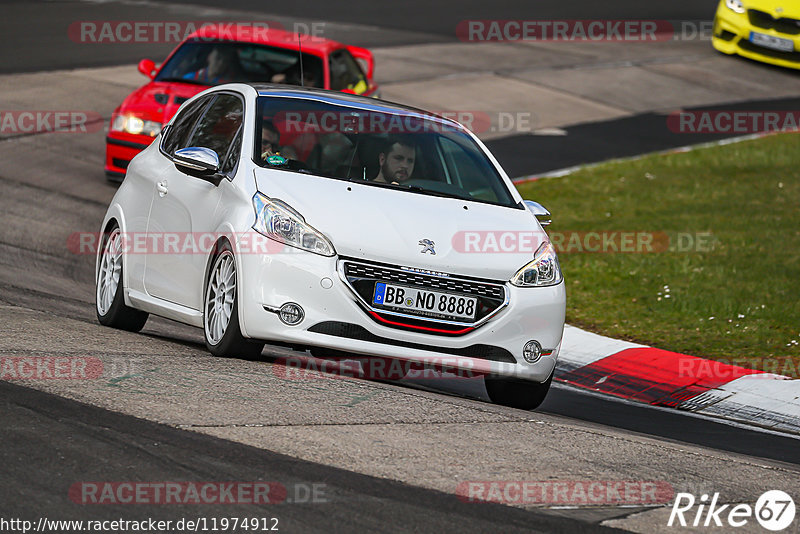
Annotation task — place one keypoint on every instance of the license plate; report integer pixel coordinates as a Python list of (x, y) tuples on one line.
[(772, 42), (424, 302)]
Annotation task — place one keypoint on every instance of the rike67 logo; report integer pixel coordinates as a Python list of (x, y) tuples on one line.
[(774, 510)]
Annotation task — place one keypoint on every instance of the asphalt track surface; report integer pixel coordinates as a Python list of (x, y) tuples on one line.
[(41, 44), (441, 17), (49, 442), (525, 155), (40, 466)]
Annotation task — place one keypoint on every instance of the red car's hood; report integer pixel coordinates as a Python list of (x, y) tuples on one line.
[(158, 101)]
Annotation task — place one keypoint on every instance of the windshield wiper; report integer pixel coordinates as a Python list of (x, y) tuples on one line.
[(412, 188), (432, 192)]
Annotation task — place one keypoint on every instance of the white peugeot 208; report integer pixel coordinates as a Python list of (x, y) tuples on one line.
[(336, 223)]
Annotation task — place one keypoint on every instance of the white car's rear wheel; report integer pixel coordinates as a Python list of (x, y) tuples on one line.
[(221, 315), (109, 293)]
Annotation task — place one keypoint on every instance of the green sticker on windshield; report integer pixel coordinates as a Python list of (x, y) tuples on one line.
[(276, 160)]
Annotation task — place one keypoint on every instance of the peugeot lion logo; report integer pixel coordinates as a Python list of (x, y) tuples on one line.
[(427, 246)]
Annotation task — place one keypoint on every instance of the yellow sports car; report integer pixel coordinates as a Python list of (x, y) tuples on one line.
[(763, 30)]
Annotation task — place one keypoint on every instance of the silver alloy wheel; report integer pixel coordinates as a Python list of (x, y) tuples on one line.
[(110, 269), (219, 297)]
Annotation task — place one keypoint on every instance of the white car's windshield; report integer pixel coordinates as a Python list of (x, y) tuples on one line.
[(377, 145)]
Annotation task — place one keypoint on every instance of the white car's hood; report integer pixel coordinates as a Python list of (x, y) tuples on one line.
[(386, 225)]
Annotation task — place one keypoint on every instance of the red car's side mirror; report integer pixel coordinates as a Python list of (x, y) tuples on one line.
[(366, 56), (148, 68)]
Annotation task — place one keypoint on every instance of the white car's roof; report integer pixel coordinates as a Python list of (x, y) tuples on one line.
[(346, 99)]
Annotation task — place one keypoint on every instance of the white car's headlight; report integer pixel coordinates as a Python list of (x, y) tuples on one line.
[(135, 125), (280, 222), (542, 271), (735, 5)]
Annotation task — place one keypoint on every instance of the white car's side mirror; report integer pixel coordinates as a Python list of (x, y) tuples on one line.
[(541, 213), (201, 160)]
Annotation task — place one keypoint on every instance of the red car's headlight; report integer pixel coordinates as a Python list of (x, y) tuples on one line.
[(135, 125)]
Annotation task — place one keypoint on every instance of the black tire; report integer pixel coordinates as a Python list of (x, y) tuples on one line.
[(517, 393), (118, 314), (232, 344)]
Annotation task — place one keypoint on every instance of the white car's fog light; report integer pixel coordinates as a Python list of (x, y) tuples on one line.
[(291, 313), (532, 351)]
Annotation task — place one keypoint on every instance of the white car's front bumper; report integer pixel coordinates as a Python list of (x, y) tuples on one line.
[(267, 281)]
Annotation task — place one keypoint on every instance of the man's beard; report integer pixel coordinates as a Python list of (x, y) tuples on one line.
[(386, 174)]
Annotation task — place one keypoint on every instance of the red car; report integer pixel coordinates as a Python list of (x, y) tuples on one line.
[(210, 57)]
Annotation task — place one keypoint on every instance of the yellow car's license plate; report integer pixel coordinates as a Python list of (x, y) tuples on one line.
[(771, 42)]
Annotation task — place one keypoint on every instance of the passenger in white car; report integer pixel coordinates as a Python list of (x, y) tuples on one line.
[(270, 142)]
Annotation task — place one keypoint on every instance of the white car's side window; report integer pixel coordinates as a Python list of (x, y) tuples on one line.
[(232, 159), (218, 127), (183, 126)]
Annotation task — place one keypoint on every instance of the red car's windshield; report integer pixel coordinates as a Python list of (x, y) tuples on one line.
[(212, 63)]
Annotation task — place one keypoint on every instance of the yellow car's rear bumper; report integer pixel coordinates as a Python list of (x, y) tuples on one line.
[(731, 35)]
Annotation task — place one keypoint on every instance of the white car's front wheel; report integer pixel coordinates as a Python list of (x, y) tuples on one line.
[(109, 294), (221, 315), (517, 393)]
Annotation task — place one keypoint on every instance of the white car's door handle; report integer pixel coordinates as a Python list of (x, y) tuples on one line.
[(162, 188)]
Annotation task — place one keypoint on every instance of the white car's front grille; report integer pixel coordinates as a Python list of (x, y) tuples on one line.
[(363, 277), (396, 274)]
